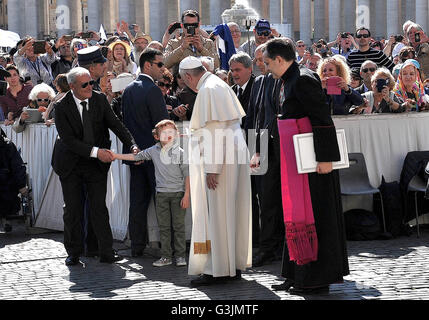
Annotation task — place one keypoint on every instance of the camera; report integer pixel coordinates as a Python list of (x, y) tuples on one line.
[(174, 27), (417, 37), (86, 35), (399, 38), (39, 47), (381, 83), (191, 28), (344, 35)]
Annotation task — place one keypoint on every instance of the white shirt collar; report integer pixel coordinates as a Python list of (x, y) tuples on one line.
[(146, 75), (78, 101), (244, 86)]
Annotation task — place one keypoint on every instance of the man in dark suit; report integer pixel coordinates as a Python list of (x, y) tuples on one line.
[(143, 106), (241, 67), (81, 158)]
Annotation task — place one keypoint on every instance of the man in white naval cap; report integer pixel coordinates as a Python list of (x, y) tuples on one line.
[(221, 245)]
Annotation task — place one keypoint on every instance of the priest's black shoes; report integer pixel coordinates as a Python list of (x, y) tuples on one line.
[(285, 286), (72, 261), (206, 280), (262, 259), (114, 257), (309, 291)]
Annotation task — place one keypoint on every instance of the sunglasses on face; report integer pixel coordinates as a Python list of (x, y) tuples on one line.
[(89, 83), (263, 33), (158, 64), (368, 69), (43, 100), (362, 36), (301, 46), (162, 84)]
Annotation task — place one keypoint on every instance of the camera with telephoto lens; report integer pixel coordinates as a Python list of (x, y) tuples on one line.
[(344, 35)]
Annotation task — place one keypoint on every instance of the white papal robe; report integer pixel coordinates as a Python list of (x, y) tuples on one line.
[(222, 224)]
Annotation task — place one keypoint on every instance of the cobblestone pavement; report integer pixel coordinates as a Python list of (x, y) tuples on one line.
[(32, 268)]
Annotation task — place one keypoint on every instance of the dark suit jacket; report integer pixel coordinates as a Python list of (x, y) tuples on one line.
[(143, 106), (245, 98), (69, 148)]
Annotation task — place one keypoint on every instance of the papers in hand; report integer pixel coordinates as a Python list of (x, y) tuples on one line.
[(121, 83), (306, 157)]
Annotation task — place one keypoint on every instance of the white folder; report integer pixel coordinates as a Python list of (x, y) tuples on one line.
[(306, 156)]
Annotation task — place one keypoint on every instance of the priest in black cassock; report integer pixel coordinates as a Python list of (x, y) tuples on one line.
[(299, 95)]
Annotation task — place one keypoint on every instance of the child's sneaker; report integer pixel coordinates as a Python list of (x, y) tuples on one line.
[(181, 262), (162, 262)]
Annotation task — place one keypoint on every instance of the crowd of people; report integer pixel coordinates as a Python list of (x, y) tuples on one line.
[(194, 76)]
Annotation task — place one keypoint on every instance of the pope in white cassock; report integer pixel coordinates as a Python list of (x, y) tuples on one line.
[(221, 244)]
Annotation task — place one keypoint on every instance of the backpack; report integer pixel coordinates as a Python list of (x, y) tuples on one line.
[(393, 208), (361, 225)]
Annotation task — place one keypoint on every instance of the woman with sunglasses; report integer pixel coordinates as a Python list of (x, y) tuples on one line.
[(171, 101), (40, 96)]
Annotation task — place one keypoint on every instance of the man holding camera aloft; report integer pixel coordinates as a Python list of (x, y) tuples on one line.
[(419, 41), (191, 43), (29, 62)]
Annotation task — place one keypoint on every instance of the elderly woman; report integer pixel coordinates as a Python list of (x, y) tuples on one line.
[(336, 69), (40, 97), (16, 97), (121, 58), (409, 87), (380, 99)]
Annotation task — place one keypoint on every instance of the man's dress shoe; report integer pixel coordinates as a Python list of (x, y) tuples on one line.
[(72, 261), (206, 280), (263, 258), (111, 258)]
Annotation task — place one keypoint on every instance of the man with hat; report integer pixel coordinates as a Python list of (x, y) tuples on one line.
[(221, 245), (141, 41), (263, 33), (93, 60)]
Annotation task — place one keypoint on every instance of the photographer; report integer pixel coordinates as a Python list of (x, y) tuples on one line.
[(65, 61), (419, 41), (345, 42), (16, 97), (321, 47), (35, 65), (381, 99), (191, 43), (40, 97)]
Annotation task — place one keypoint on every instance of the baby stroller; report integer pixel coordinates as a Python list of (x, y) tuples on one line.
[(15, 187)]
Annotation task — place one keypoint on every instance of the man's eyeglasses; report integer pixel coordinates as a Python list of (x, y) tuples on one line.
[(43, 100), (301, 46), (89, 83), (368, 69), (162, 84), (263, 33), (158, 64), (406, 54), (362, 36)]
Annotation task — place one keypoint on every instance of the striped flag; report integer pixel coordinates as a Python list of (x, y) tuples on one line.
[(225, 45)]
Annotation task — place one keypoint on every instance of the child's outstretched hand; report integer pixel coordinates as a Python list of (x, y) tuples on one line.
[(113, 155)]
